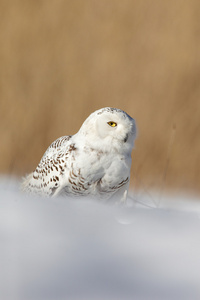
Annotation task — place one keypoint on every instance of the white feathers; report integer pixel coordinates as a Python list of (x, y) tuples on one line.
[(95, 161)]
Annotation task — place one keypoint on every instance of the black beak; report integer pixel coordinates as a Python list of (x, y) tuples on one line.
[(126, 138)]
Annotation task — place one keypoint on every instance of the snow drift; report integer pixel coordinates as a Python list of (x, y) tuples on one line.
[(78, 249)]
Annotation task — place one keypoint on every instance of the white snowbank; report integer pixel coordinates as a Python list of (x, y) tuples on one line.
[(78, 249)]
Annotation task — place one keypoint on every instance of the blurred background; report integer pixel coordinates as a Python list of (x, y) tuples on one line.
[(61, 60)]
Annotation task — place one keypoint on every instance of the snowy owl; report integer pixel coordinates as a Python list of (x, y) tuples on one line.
[(94, 162)]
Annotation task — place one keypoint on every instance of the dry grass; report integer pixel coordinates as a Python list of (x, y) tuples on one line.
[(61, 60)]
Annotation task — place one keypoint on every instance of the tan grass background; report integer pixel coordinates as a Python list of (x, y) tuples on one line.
[(60, 60)]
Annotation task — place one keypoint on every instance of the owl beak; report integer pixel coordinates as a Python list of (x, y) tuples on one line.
[(126, 138)]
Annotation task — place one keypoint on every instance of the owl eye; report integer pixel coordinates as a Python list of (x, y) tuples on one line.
[(112, 124)]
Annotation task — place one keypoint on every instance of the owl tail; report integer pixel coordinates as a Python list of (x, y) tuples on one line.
[(25, 182)]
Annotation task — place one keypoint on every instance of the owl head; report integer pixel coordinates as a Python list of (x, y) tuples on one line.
[(109, 129)]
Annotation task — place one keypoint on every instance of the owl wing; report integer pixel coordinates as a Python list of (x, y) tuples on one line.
[(47, 180)]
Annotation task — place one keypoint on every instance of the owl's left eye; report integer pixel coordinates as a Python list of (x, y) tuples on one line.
[(112, 124)]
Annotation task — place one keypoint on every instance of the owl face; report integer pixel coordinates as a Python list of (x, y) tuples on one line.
[(111, 129)]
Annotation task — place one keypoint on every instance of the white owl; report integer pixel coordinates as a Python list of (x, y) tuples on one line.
[(94, 162)]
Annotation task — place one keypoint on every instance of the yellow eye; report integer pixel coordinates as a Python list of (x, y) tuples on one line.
[(112, 124)]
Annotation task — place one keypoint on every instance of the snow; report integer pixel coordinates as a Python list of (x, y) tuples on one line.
[(77, 249)]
